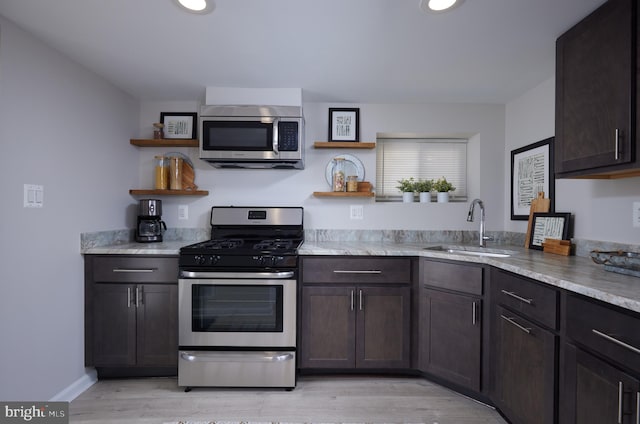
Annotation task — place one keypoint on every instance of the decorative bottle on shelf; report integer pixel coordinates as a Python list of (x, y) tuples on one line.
[(158, 131), (338, 179)]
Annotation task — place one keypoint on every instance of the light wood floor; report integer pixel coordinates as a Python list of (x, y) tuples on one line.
[(317, 399)]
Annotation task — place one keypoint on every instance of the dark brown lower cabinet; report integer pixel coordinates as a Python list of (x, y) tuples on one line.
[(135, 325), (355, 327), (450, 337), (596, 392), (524, 362), (131, 315)]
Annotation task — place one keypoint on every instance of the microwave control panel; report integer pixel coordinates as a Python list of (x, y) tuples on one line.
[(287, 136)]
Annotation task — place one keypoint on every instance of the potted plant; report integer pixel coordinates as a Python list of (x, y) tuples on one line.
[(443, 187), (408, 187), (424, 187)]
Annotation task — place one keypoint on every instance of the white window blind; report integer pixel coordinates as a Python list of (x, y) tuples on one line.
[(420, 158)]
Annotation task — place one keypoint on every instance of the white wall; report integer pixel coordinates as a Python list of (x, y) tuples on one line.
[(485, 124), (601, 208), (66, 129)]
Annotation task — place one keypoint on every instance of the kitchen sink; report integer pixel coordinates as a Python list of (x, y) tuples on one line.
[(473, 251)]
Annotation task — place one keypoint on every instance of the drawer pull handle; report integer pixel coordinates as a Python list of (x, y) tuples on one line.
[(616, 341), (515, 296), (512, 321), (345, 271), (134, 269)]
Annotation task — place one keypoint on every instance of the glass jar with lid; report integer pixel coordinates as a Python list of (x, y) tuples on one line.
[(161, 170), (338, 178)]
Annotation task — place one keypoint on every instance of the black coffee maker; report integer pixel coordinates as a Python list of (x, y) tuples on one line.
[(150, 223)]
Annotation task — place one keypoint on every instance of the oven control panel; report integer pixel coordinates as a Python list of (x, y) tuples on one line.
[(212, 262)]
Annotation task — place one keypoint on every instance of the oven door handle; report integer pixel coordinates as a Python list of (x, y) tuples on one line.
[(237, 275), (236, 357)]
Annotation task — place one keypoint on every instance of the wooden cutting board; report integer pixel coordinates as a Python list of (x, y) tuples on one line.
[(188, 177), (539, 204)]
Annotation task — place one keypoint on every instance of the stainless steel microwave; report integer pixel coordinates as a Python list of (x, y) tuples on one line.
[(252, 136)]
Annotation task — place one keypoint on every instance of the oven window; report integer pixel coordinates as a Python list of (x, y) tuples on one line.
[(236, 308), (237, 135)]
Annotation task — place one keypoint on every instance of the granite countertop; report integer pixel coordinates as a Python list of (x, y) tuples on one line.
[(574, 273), (166, 248)]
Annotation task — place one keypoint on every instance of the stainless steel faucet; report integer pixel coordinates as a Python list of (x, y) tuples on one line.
[(482, 237)]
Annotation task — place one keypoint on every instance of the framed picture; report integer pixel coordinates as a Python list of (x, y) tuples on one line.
[(180, 125), (531, 172), (548, 225), (344, 124)]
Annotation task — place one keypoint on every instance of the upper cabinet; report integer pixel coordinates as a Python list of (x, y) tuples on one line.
[(596, 95)]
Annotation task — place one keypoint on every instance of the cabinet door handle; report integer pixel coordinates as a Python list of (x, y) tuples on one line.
[(513, 322), (128, 297), (616, 341), (515, 296), (638, 408), (138, 296), (474, 311), (353, 306), (134, 270), (355, 271), (620, 394), (360, 299), (617, 155)]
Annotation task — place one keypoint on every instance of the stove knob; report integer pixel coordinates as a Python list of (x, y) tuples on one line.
[(200, 260), (276, 259), (214, 259)]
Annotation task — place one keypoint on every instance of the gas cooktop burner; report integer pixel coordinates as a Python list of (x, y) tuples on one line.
[(276, 244), (220, 244)]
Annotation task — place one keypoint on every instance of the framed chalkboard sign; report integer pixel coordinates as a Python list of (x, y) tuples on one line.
[(548, 225)]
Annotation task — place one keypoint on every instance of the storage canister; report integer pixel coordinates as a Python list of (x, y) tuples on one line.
[(161, 170), (338, 174)]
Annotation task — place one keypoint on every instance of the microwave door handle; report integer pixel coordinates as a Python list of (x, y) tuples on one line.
[(275, 136)]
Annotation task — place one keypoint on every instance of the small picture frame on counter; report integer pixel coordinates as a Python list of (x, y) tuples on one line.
[(344, 124), (179, 125), (548, 226)]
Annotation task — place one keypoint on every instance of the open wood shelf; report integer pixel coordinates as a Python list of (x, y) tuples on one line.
[(344, 145), (343, 193), (166, 142), (152, 192)]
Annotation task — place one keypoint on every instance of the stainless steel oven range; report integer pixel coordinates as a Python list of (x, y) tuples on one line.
[(237, 300)]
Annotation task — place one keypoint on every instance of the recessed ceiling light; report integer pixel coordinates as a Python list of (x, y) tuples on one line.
[(436, 6), (196, 6)]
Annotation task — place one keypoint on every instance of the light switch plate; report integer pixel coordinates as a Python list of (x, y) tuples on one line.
[(356, 212), (33, 196), (636, 214), (183, 212)]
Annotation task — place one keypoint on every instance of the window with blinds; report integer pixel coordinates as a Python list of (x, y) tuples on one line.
[(420, 158)]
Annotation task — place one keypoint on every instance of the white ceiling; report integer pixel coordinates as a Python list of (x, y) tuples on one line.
[(369, 51)]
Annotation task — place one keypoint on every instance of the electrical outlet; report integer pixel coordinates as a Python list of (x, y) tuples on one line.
[(33, 196), (636, 214), (356, 212), (183, 212)]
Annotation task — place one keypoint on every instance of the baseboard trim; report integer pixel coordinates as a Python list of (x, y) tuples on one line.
[(77, 387)]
